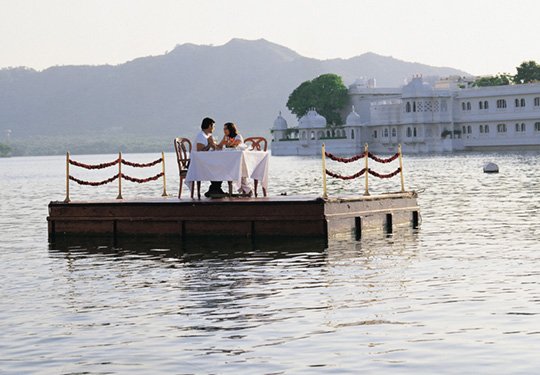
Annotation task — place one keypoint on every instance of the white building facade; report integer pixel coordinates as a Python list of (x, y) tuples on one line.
[(423, 118)]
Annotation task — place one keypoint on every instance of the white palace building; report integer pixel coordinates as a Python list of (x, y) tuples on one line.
[(445, 116)]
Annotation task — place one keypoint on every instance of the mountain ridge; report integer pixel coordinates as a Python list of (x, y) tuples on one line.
[(245, 81)]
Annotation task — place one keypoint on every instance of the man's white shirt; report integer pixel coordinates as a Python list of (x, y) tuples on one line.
[(202, 138)]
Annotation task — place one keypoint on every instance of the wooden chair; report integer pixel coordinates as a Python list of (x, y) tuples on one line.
[(182, 146), (258, 144)]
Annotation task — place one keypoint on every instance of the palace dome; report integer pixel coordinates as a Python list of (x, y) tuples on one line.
[(312, 120), (353, 118), (280, 123)]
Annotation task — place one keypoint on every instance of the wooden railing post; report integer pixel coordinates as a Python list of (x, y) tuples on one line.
[(119, 176), (163, 170), (323, 152), (67, 200), (401, 169), (366, 153)]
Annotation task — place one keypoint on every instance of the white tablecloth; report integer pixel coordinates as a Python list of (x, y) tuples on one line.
[(228, 165)]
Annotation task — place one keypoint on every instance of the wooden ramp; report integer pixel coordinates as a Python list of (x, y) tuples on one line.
[(283, 216)]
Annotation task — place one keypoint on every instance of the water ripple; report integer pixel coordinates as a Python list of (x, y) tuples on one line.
[(459, 295)]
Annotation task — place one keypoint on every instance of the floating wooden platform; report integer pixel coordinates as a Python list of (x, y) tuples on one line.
[(283, 216)]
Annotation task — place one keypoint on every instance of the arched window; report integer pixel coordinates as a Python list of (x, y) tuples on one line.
[(481, 129), (414, 132), (303, 135), (523, 128), (486, 104), (409, 132), (522, 102), (374, 133), (517, 127), (464, 130), (385, 133), (312, 135), (394, 132), (408, 107), (516, 101), (486, 129), (463, 106), (468, 106), (537, 126), (469, 129), (537, 102), (501, 103), (480, 105), (328, 133), (414, 106), (352, 133)]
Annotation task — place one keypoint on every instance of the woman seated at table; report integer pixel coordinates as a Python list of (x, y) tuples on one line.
[(233, 139)]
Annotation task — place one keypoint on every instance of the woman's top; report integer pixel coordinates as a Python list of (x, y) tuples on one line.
[(239, 138)]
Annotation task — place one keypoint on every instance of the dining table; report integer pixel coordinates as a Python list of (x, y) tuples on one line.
[(229, 165)]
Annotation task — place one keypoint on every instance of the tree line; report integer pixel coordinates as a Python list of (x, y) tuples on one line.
[(527, 72)]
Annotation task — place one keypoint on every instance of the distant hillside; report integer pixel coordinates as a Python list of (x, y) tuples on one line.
[(243, 81)]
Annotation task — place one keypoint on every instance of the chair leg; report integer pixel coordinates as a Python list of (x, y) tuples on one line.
[(180, 187), (264, 192), (192, 189), (255, 185), (230, 188), (199, 190)]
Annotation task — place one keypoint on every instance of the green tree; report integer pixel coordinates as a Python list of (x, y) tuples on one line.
[(496, 80), (527, 72), (326, 93), (5, 150)]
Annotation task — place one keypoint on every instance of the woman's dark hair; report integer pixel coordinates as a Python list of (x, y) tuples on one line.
[(207, 122), (233, 132)]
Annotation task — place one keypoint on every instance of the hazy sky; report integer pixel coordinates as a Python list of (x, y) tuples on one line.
[(478, 36)]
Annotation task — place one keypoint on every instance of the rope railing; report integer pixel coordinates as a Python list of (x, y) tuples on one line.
[(382, 175), (366, 155), (344, 160), (141, 165), (118, 176), (93, 166), (142, 180), (93, 183), (351, 177), (384, 161)]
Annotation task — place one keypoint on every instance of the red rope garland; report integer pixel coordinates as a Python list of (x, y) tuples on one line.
[(93, 166), (345, 160), (352, 177), (91, 183), (141, 165), (142, 180), (379, 175), (114, 162), (360, 156), (381, 160), (361, 173)]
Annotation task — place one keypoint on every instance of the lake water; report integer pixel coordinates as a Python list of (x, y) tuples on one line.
[(460, 295)]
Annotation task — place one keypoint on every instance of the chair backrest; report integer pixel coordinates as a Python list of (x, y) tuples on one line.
[(257, 143), (182, 146)]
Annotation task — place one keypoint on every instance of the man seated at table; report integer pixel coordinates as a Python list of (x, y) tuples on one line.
[(205, 142)]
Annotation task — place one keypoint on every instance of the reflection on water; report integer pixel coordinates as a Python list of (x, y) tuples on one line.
[(458, 295), (190, 249)]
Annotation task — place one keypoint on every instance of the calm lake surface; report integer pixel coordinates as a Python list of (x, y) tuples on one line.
[(460, 295)]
